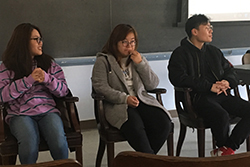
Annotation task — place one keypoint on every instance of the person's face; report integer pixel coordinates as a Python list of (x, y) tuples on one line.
[(35, 43), (203, 33), (126, 46)]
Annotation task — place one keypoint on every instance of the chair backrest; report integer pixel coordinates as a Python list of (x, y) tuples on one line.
[(183, 102), (138, 159), (56, 163), (246, 58), (102, 123)]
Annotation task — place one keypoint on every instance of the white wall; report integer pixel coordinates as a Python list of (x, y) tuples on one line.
[(78, 78)]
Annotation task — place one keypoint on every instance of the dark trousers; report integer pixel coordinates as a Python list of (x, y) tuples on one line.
[(215, 110), (147, 128)]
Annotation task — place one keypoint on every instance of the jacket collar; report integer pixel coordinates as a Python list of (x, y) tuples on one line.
[(186, 42)]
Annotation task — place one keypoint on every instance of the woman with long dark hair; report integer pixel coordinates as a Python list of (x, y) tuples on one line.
[(29, 80)]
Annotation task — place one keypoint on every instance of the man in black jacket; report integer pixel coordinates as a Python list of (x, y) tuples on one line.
[(203, 68)]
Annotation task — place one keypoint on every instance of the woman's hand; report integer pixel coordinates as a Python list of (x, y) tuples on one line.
[(38, 75), (132, 101), (135, 56)]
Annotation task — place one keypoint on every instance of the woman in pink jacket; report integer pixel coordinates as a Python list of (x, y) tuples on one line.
[(29, 79)]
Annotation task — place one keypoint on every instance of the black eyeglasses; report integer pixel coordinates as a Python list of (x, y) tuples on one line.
[(38, 39), (126, 43)]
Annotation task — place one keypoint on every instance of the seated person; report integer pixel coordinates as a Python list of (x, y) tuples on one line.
[(29, 78), (123, 76), (203, 68)]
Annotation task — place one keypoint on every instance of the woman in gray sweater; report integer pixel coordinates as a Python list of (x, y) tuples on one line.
[(123, 76)]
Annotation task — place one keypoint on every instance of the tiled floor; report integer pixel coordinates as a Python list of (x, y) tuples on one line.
[(90, 145)]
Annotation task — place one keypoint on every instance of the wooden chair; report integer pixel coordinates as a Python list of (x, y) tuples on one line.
[(188, 118), (56, 163), (138, 159), (69, 115), (246, 60), (110, 135)]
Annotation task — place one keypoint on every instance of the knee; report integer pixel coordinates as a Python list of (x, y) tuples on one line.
[(165, 122), (29, 141), (28, 148), (168, 127), (222, 117), (58, 142)]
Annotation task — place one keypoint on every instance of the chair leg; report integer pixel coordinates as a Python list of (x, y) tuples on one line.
[(9, 160), (182, 135), (201, 142), (248, 143), (79, 155), (110, 154), (170, 142), (213, 142), (100, 153)]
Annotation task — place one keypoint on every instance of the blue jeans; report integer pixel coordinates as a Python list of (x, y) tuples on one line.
[(27, 130)]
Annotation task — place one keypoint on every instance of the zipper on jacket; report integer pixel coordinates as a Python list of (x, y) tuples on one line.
[(197, 96), (212, 71), (198, 63), (214, 74)]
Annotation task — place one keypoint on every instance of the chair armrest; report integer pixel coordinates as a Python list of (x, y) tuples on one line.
[(99, 111), (71, 99), (72, 112), (98, 97), (158, 91), (184, 89)]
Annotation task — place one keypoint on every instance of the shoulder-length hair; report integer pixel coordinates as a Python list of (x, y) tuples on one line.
[(119, 33), (17, 56)]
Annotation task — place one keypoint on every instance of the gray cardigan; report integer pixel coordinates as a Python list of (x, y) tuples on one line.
[(108, 80)]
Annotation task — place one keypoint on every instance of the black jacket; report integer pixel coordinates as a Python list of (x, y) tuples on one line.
[(185, 67)]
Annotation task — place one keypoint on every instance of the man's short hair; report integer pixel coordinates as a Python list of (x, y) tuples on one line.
[(194, 22)]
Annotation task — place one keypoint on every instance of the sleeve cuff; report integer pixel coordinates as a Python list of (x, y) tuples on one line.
[(126, 99), (29, 80)]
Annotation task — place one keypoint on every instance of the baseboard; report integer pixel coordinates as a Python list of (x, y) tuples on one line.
[(173, 113), (91, 124)]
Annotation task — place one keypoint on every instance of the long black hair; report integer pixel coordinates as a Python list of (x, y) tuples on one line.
[(17, 56)]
